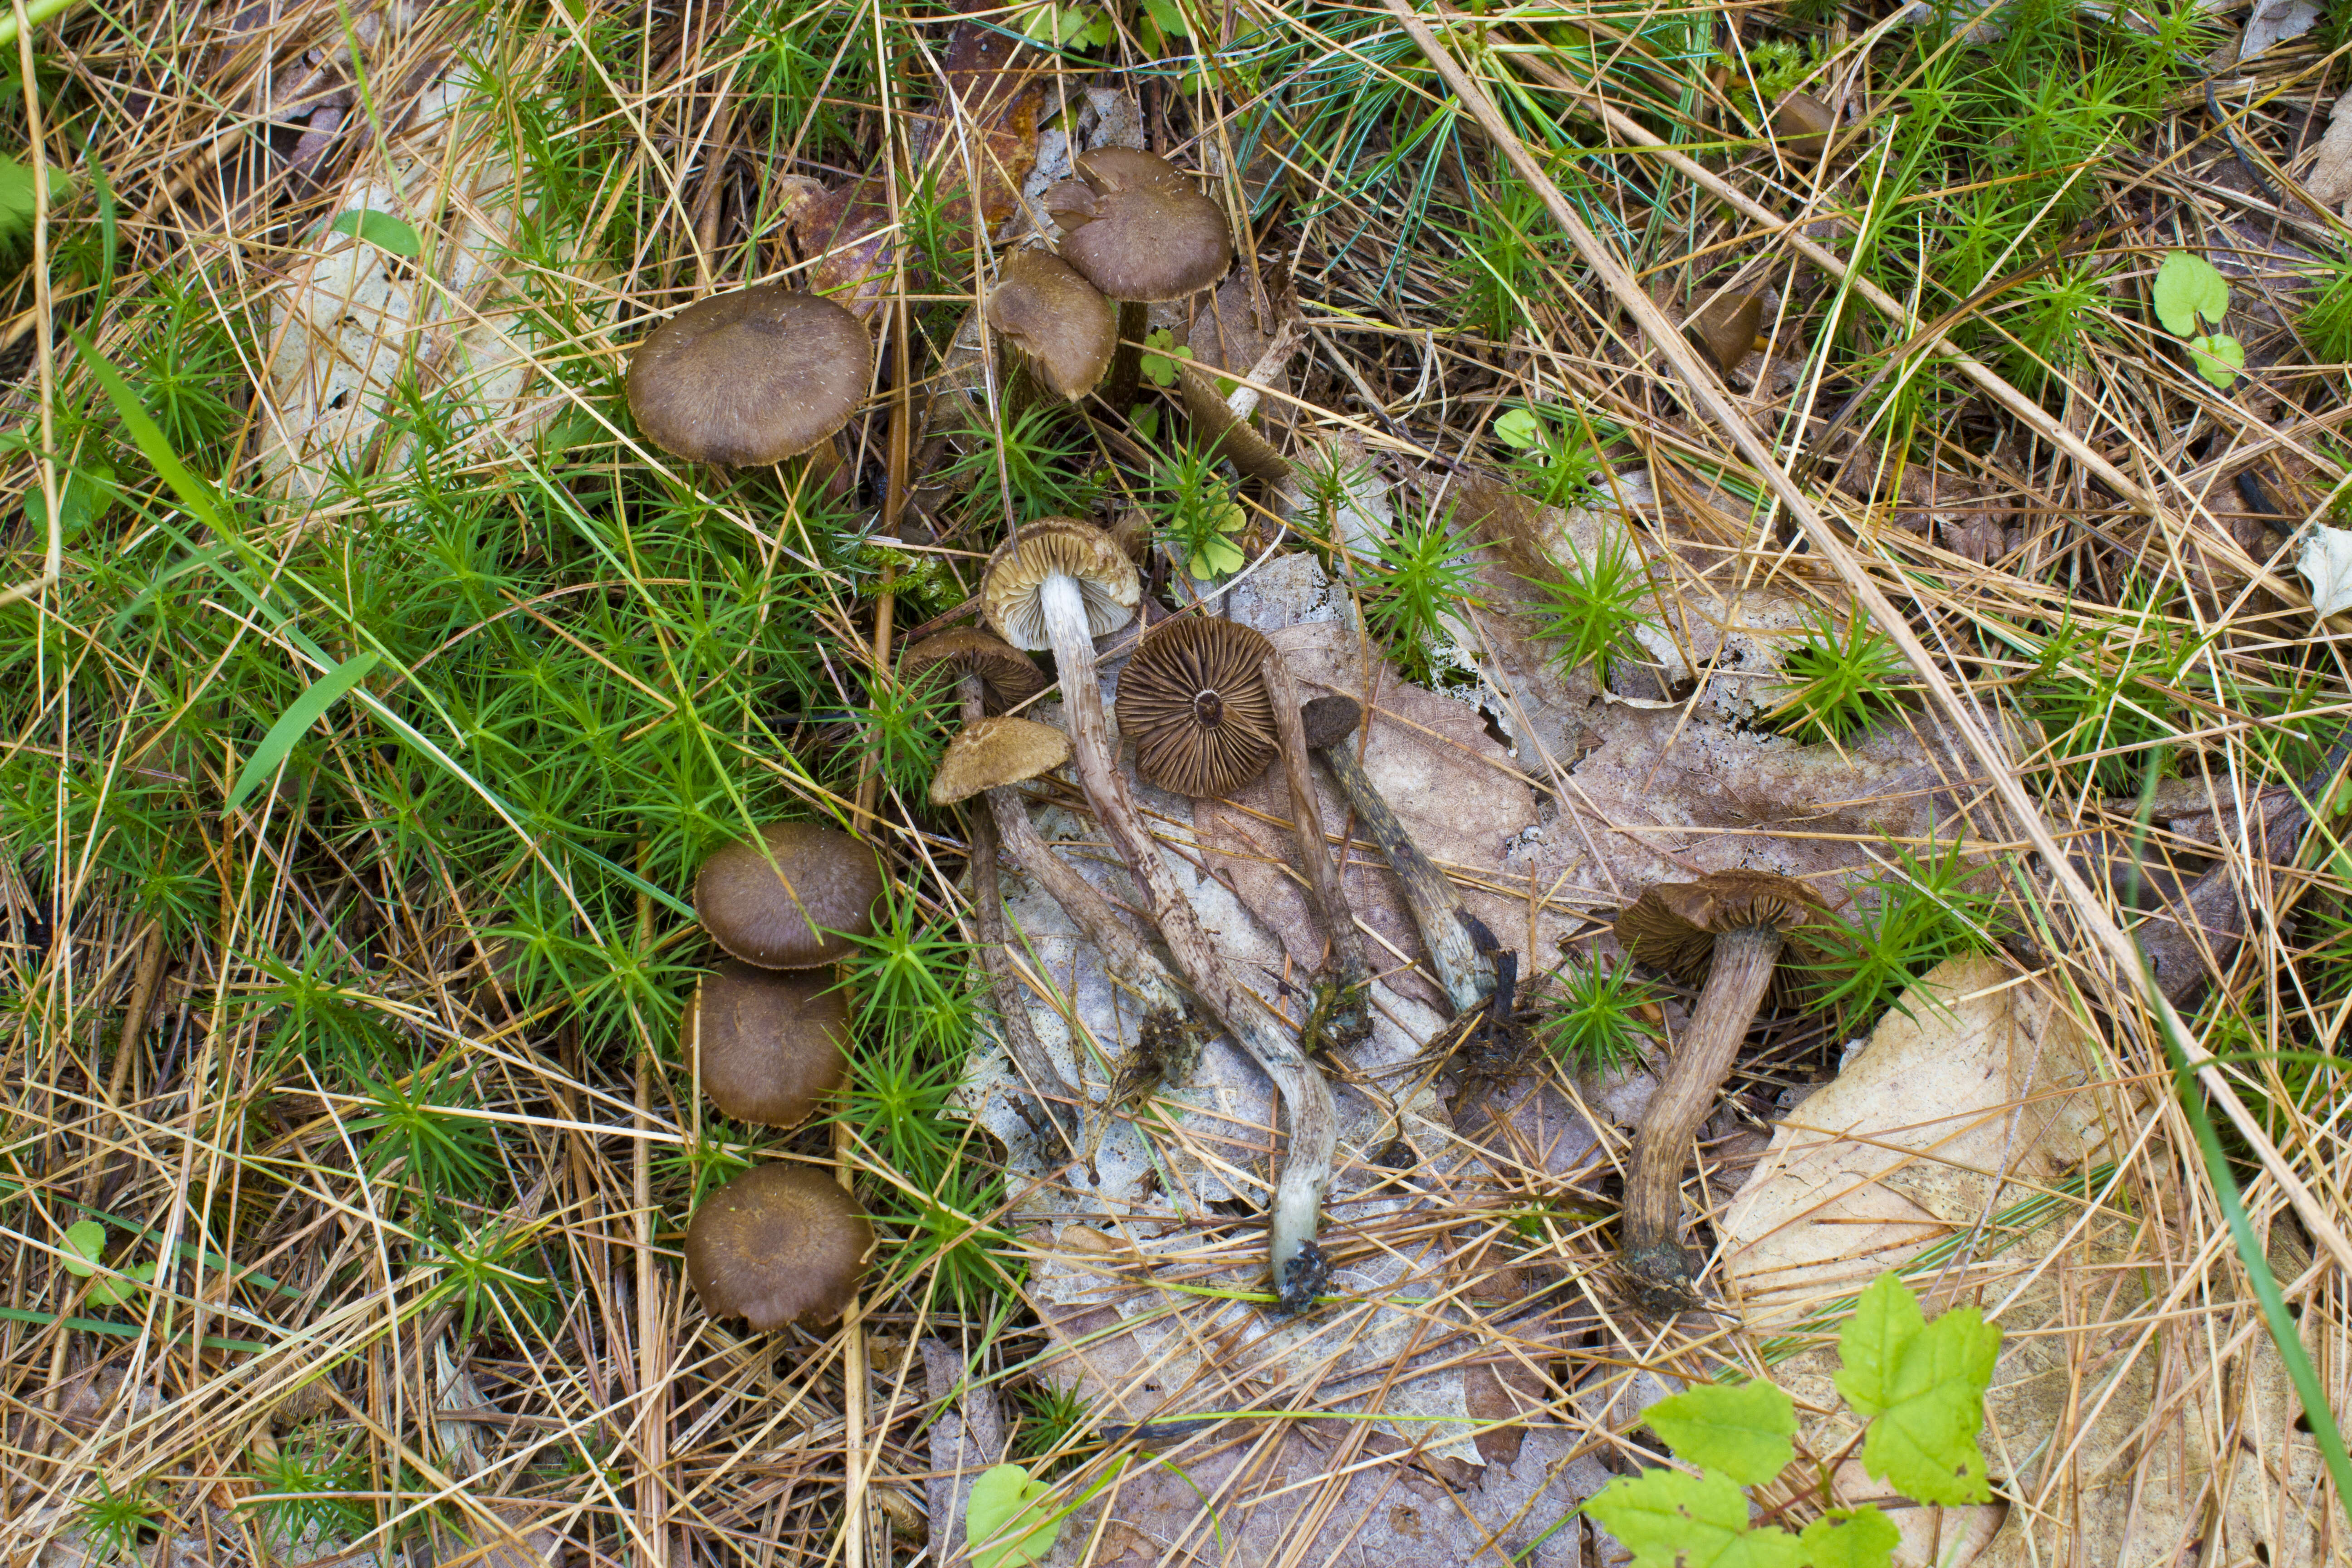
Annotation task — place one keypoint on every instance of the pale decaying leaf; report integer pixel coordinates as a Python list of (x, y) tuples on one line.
[(2275, 22), (2102, 1422), (2327, 564), (2330, 179)]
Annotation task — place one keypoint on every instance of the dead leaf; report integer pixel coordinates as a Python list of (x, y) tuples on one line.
[(2330, 180)]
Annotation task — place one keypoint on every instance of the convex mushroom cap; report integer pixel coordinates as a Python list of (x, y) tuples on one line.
[(1137, 229), (771, 899), (988, 753), (1007, 677), (750, 377), (1018, 571), (1672, 925), (1057, 320), (778, 1243), (1193, 700), (769, 1047)]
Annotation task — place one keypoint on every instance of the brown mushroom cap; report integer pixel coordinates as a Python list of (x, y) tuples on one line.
[(1006, 675), (1081, 551), (1194, 703), (1061, 321), (1328, 721), (776, 915), (778, 1243), (1804, 123), (750, 377), (769, 1047), (1137, 229), (1672, 925), (1726, 328), (988, 753)]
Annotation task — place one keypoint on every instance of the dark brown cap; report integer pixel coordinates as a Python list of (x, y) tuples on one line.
[(988, 753), (769, 1047), (750, 377), (1672, 925), (1056, 319), (1137, 229), (768, 901), (778, 1243), (1804, 123), (1193, 700), (1726, 328), (1078, 550), (1006, 675), (1328, 721)]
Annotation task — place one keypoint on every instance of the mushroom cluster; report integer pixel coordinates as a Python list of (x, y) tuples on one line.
[(767, 1038)]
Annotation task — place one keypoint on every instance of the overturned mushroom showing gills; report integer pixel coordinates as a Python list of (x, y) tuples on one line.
[(1060, 583), (768, 1047), (988, 753), (1329, 725), (1066, 332), (778, 1243), (1732, 928), (750, 377), (1192, 699), (789, 898)]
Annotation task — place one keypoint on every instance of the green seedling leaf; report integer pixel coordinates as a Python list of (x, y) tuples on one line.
[(16, 199), (1670, 1520), (1861, 1538), (2219, 359), (382, 230), (2187, 286), (1922, 1385), (1008, 1508), (1163, 20), (1742, 1431), (112, 1292), (295, 723), (1062, 26), (84, 497), (1146, 421), (201, 499), (1160, 368), (85, 1240), (1518, 429)]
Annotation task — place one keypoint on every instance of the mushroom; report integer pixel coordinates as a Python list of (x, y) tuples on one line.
[(1726, 329), (1007, 677), (750, 377), (1804, 123), (1141, 233), (1193, 700), (1060, 583), (1464, 968), (988, 753), (1732, 928), (778, 1243), (768, 1047), (791, 897), (1066, 330)]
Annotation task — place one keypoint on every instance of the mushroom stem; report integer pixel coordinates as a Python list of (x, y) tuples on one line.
[(1466, 971), (1299, 1267), (1126, 375), (1352, 971), (1650, 1252)]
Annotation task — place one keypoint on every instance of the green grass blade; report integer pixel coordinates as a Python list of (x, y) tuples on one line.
[(295, 723), (197, 495)]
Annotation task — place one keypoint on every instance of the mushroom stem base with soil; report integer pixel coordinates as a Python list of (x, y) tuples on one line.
[(1299, 1269), (1650, 1252)]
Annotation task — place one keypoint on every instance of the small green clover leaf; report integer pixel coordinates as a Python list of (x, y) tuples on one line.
[(1059, 27), (1161, 367), (1007, 1506), (1162, 21), (84, 497), (1519, 430), (1146, 421), (1742, 1431), (2219, 359), (1216, 554), (2189, 287), (1863, 1538), (85, 1239), (1922, 1385), (382, 230), (1670, 1520), (112, 1292)]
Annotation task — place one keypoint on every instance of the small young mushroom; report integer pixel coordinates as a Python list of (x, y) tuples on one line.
[(1007, 677), (1733, 928), (1464, 968), (750, 377), (1065, 330), (1060, 583), (1140, 232), (791, 897), (1192, 699), (769, 1047), (778, 1243)]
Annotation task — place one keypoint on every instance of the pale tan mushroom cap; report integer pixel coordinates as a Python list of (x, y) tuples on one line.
[(988, 753), (750, 377), (778, 1243), (1106, 577), (1137, 229), (1058, 318)]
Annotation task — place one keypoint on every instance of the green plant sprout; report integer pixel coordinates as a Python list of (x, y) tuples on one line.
[(1059, 27), (1009, 1521), (1552, 463), (114, 1521), (1159, 356), (1203, 519), (303, 1487), (1591, 613), (2190, 291), (1592, 1020), (1419, 576), (85, 1243), (1926, 912), (1839, 680), (1920, 1385)]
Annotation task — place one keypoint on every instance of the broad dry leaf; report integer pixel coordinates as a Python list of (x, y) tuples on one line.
[(2330, 179)]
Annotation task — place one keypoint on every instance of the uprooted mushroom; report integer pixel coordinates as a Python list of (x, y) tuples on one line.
[(1733, 929), (1060, 583)]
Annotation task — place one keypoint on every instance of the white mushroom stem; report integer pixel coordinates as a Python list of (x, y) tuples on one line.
[(1650, 1251), (1298, 1197)]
